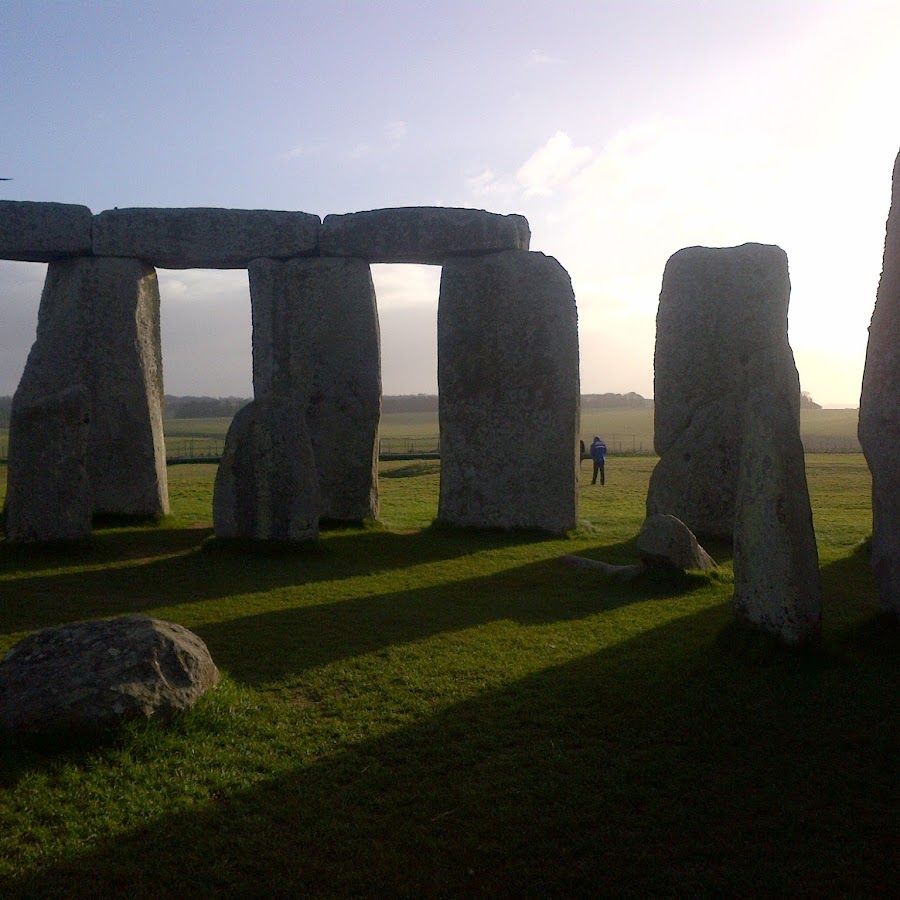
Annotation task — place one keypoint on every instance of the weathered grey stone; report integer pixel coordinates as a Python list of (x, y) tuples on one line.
[(315, 338), (776, 564), (42, 232), (421, 234), (666, 542), (509, 393), (93, 675), (266, 487), (721, 311), (198, 238), (879, 414), (49, 496), (98, 326)]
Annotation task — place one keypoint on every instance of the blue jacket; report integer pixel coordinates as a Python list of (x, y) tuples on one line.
[(598, 450)]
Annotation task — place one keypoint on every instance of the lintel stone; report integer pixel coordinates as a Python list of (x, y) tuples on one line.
[(203, 238), (421, 234), (43, 232)]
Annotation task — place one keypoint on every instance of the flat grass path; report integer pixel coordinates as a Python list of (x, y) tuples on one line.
[(411, 711)]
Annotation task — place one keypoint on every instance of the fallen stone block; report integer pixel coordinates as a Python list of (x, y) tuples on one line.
[(666, 542), (421, 234), (199, 238), (90, 676), (43, 232)]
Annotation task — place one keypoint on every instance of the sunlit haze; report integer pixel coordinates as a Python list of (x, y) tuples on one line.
[(622, 131)]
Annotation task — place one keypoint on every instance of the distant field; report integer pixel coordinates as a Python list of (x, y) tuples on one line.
[(624, 430)]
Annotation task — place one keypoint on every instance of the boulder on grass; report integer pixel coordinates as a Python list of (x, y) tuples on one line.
[(90, 676), (666, 542)]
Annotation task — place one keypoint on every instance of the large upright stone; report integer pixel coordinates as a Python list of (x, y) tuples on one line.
[(98, 327), (266, 487), (49, 496), (776, 563), (315, 339), (198, 238), (879, 414), (421, 234), (509, 393), (722, 313), (43, 232)]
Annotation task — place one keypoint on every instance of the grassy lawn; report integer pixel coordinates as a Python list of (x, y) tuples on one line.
[(411, 711)]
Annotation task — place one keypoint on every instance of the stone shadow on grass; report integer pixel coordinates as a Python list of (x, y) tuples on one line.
[(280, 643), (164, 567), (656, 767)]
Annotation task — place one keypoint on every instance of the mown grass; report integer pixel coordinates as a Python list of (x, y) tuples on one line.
[(409, 711)]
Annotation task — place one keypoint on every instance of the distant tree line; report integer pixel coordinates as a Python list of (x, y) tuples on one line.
[(203, 407), (225, 407)]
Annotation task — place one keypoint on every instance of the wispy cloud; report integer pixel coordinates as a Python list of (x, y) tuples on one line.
[(396, 131), (552, 165)]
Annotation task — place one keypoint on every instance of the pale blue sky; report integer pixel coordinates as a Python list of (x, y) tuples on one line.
[(623, 130)]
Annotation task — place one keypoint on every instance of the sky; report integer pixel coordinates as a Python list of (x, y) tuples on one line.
[(623, 131)]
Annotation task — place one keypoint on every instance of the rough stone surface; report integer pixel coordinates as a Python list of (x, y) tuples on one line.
[(315, 339), (98, 327), (198, 238), (509, 393), (49, 496), (93, 675), (667, 542), (625, 573), (421, 234), (266, 487), (721, 312), (42, 232), (879, 414), (776, 564)]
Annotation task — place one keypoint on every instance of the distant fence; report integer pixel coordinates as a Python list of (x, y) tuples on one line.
[(210, 449)]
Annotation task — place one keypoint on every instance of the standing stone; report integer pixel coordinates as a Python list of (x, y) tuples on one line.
[(776, 563), (49, 496), (722, 311), (879, 414), (509, 393), (316, 339), (98, 327), (266, 487)]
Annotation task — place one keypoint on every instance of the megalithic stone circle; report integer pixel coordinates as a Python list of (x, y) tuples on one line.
[(879, 413), (316, 339), (98, 327), (509, 395), (776, 563), (721, 311)]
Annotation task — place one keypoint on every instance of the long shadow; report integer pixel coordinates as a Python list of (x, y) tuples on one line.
[(659, 767), (183, 566), (278, 643)]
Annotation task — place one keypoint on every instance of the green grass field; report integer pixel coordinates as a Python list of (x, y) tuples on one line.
[(410, 711), (624, 430)]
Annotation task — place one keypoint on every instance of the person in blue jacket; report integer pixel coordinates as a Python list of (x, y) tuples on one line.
[(598, 455)]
